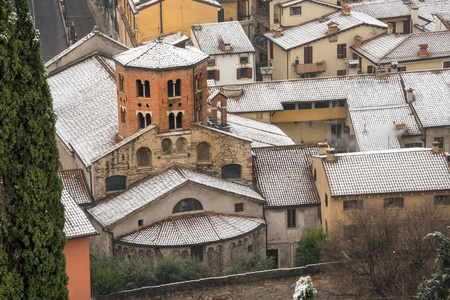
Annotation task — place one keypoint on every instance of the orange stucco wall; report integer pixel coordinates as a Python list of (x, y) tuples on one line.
[(77, 267)]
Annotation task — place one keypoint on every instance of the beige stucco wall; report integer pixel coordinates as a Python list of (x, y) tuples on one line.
[(309, 11), (428, 64), (286, 239), (434, 132), (323, 50), (230, 11)]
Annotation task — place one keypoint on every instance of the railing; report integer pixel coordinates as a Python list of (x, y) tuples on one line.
[(260, 41), (261, 15), (320, 66)]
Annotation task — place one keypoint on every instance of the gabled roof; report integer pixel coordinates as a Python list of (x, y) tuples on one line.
[(283, 175), (85, 102), (262, 134), (74, 183), (193, 229), (402, 48), (387, 172), (431, 96), (160, 56), (211, 38), (294, 2), (376, 128), (383, 9), (318, 29), (76, 223), (141, 195), (428, 9)]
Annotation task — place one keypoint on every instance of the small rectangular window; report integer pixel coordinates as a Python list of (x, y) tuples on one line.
[(442, 200), (315, 175), (341, 72), (326, 199), (305, 105), (400, 69), (211, 62), (288, 106), (238, 207), (211, 74), (446, 64), (243, 72), (243, 60), (322, 104), (291, 221), (338, 103), (370, 69), (393, 202), (295, 11), (441, 142), (353, 204), (341, 51), (140, 222)]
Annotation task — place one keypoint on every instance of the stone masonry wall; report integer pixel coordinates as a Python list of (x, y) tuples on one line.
[(270, 285)]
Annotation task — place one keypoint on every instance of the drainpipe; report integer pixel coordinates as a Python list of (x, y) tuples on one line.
[(160, 16)]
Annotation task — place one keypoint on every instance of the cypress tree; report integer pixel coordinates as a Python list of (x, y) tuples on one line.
[(33, 237)]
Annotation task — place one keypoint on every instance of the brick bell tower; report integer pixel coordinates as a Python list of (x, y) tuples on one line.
[(162, 85)]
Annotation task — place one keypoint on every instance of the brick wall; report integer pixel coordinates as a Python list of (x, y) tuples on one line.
[(270, 285)]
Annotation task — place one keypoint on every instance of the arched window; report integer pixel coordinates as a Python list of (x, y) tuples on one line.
[(203, 152), (140, 88), (171, 121), (231, 171), (166, 146), (170, 88), (121, 79), (196, 82), (181, 145), (144, 157), (141, 120), (179, 120), (123, 115), (116, 183), (188, 204), (148, 119), (147, 89), (178, 88)]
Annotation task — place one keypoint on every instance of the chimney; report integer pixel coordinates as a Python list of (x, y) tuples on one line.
[(266, 73), (423, 50), (332, 27), (409, 95), (323, 148), (435, 147), (390, 28), (414, 14), (226, 46), (95, 29), (346, 10), (358, 40), (277, 33), (330, 155)]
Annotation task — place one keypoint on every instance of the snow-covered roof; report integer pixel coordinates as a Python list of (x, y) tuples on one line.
[(294, 2), (262, 134), (318, 29), (376, 128), (73, 182), (431, 96), (76, 223), (135, 198), (194, 229), (283, 175), (85, 102), (212, 37), (160, 56), (359, 90), (428, 9), (387, 172), (173, 39), (383, 9), (388, 48)]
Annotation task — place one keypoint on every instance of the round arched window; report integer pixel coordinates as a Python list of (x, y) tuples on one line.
[(187, 204)]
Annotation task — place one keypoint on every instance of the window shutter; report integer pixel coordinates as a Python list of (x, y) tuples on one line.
[(238, 73), (249, 72), (216, 75)]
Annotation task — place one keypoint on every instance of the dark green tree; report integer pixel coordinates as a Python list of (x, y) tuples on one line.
[(438, 287), (308, 250), (32, 237)]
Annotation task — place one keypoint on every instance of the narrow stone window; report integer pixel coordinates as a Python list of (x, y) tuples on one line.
[(166, 146), (140, 88), (171, 121), (148, 119), (170, 88), (179, 120), (123, 115), (141, 120), (147, 89), (178, 88)]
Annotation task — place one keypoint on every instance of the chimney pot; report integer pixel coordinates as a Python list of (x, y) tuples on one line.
[(277, 33), (423, 51), (332, 27), (410, 95), (346, 10), (330, 154), (358, 40), (323, 148), (435, 147)]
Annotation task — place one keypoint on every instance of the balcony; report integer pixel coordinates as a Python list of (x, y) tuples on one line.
[(316, 67), (260, 41), (261, 15)]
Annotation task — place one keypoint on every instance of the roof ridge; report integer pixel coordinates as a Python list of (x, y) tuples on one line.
[(212, 226), (398, 45)]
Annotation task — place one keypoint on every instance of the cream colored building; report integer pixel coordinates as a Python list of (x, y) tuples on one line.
[(409, 52), (390, 179), (320, 47)]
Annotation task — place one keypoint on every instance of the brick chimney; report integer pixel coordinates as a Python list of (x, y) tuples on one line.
[(333, 27), (323, 148), (423, 50), (346, 10), (409, 95), (330, 155), (435, 147), (358, 40), (277, 33)]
